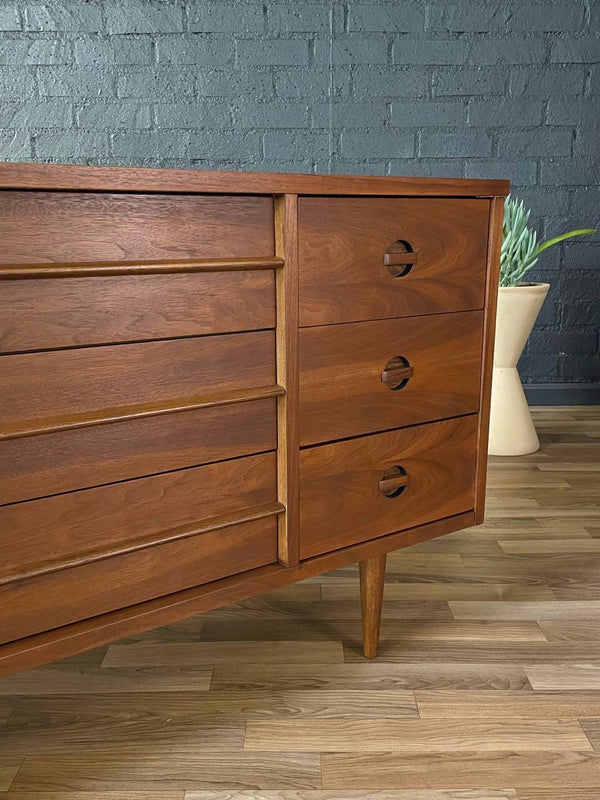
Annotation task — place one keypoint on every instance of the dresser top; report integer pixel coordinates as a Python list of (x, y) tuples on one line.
[(73, 177)]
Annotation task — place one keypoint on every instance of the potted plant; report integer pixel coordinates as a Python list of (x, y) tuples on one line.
[(511, 428)]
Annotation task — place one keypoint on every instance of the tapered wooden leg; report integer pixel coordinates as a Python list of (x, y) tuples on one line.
[(372, 576)]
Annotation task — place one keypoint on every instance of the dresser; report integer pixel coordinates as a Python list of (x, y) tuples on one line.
[(214, 384)]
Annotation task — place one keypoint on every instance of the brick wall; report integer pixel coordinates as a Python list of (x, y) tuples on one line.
[(466, 88)]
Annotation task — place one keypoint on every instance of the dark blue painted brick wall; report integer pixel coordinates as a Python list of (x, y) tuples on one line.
[(465, 88)]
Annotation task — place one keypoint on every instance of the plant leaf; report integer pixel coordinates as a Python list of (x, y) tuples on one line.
[(563, 236)]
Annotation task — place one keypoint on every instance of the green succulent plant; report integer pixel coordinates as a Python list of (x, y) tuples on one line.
[(520, 249)]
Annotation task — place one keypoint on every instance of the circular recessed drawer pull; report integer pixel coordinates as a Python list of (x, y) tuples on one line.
[(393, 481), (397, 373), (399, 258)]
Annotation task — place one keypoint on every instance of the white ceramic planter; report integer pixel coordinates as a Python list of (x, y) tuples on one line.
[(511, 428)]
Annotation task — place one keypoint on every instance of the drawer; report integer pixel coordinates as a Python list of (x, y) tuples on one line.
[(343, 244), (64, 383), (362, 377), (36, 466), (359, 489), (69, 227), (67, 312), (55, 599), (64, 526)]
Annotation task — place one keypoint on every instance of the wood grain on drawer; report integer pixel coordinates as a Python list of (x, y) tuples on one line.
[(52, 313), (55, 227), (59, 598), (47, 385), (341, 485), (362, 377), (35, 466), (343, 242), (65, 525)]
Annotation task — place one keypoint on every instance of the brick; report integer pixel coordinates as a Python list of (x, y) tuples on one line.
[(356, 167), (272, 51), (469, 16), (193, 114), (580, 368), (467, 82), (209, 17), (248, 113), (512, 112), (36, 114), (582, 255), (275, 165), (400, 16), (143, 17), (575, 171), (201, 50), (298, 17), (546, 203), (564, 342), (296, 145), (426, 113), (158, 82), (535, 142), (508, 51), (585, 207), (568, 110), (578, 284), (348, 113), (427, 168), (225, 145), (375, 144), (306, 82), (463, 144), (149, 146), (429, 51), (539, 369), (15, 83), (520, 173), (390, 82), (112, 116), (553, 16), (257, 83), (104, 52), (548, 82), (10, 19), (68, 16), (74, 82), (15, 146), (72, 145), (581, 315), (580, 50), (29, 51), (356, 48)]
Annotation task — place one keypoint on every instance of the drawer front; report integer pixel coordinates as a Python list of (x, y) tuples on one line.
[(37, 466), (69, 227), (60, 598), (370, 376), (81, 381), (343, 245), (67, 312), (55, 528), (357, 490)]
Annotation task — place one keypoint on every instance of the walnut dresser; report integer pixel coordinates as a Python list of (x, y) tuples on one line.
[(213, 384)]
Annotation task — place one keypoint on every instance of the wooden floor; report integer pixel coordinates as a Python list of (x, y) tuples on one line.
[(487, 686)]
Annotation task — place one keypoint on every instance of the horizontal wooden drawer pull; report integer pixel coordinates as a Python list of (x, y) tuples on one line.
[(96, 269), (399, 258), (109, 415), (397, 372), (393, 481)]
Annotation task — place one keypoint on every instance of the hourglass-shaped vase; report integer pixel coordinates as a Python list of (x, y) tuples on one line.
[(512, 432)]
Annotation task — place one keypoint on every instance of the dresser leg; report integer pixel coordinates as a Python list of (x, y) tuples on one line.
[(372, 576)]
